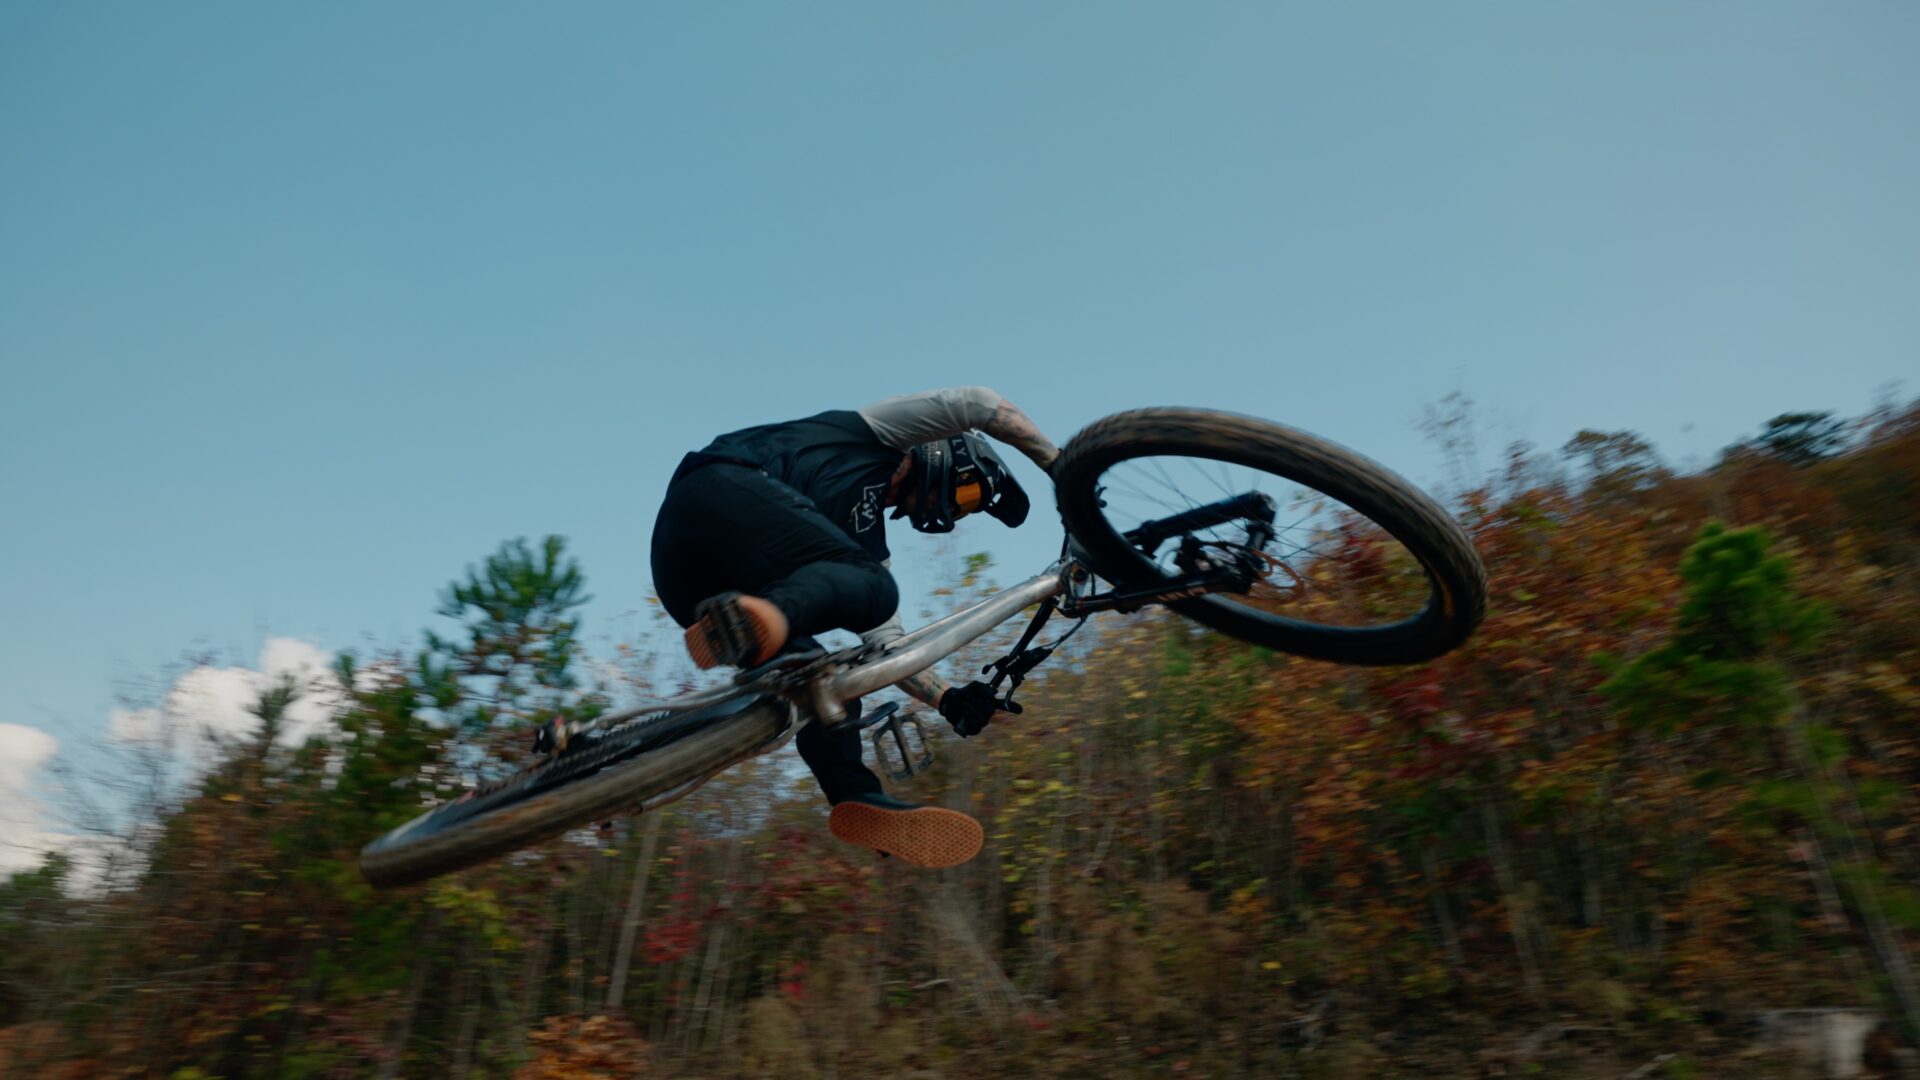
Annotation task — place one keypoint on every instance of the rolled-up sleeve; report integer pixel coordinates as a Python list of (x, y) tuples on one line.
[(905, 421)]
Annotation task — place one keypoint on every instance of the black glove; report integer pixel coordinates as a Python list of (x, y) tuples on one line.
[(969, 708)]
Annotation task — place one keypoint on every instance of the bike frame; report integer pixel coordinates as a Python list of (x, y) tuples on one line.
[(822, 687), (817, 687), (649, 755)]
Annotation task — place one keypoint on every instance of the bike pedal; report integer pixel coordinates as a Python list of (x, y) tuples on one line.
[(887, 721)]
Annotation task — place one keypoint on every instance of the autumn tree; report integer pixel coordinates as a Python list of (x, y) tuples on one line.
[(1737, 617), (1803, 438), (1617, 464)]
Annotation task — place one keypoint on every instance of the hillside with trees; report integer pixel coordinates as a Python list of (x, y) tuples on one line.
[(1668, 790)]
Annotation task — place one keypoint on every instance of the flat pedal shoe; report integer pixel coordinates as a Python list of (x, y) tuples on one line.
[(927, 836), (735, 629)]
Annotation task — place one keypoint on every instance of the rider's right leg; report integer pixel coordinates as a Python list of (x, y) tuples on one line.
[(729, 529), (737, 629)]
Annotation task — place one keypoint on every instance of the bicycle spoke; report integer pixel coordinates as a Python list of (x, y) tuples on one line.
[(1170, 507), (1324, 562)]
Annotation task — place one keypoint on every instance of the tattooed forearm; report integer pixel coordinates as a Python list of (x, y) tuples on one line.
[(925, 687), (1011, 426)]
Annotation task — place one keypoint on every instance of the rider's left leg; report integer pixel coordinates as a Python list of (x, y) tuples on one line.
[(724, 528)]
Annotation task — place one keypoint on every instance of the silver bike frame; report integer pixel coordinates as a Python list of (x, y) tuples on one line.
[(932, 643), (807, 690), (824, 695)]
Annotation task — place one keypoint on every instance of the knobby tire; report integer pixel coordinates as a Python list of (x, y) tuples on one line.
[(534, 805), (1457, 578)]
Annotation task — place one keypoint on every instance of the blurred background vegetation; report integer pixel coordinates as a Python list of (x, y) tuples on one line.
[(1669, 787)]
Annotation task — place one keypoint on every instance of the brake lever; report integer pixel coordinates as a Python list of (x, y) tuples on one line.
[(1015, 668)]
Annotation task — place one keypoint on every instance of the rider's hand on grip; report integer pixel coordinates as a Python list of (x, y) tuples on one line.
[(969, 708)]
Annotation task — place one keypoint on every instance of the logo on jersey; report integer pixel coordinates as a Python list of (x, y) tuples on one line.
[(866, 512)]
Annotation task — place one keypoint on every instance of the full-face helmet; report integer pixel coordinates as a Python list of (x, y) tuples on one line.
[(951, 478)]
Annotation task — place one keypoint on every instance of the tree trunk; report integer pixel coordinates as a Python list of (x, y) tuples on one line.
[(1443, 916), (1519, 912), (630, 926), (697, 1029), (398, 1050), (530, 984), (467, 1007), (1882, 938), (697, 1015), (576, 950)]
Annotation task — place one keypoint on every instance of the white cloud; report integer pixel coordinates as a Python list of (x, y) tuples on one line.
[(209, 706), (24, 834), (205, 709)]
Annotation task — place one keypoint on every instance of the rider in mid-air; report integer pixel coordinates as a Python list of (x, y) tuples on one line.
[(774, 533)]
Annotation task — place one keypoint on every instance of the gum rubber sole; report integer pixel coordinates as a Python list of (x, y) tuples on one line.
[(736, 630), (927, 836)]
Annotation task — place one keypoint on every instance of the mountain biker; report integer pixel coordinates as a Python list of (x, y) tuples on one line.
[(774, 533)]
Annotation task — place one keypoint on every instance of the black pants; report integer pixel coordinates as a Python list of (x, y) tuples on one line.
[(730, 528)]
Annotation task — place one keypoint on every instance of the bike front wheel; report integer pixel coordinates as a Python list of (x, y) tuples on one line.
[(1342, 560)]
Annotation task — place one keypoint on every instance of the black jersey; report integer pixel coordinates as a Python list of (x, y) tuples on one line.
[(833, 458)]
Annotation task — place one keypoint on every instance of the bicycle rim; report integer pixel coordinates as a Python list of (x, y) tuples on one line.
[(650, 763), (1360, 566)]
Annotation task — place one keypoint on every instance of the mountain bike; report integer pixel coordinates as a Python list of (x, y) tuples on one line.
[(1252, 528)]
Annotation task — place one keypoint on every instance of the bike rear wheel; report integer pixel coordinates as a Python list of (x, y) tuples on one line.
[(641, 764), (1356, 565)]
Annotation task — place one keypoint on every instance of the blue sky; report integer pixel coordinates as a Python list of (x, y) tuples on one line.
[(305, 307)]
